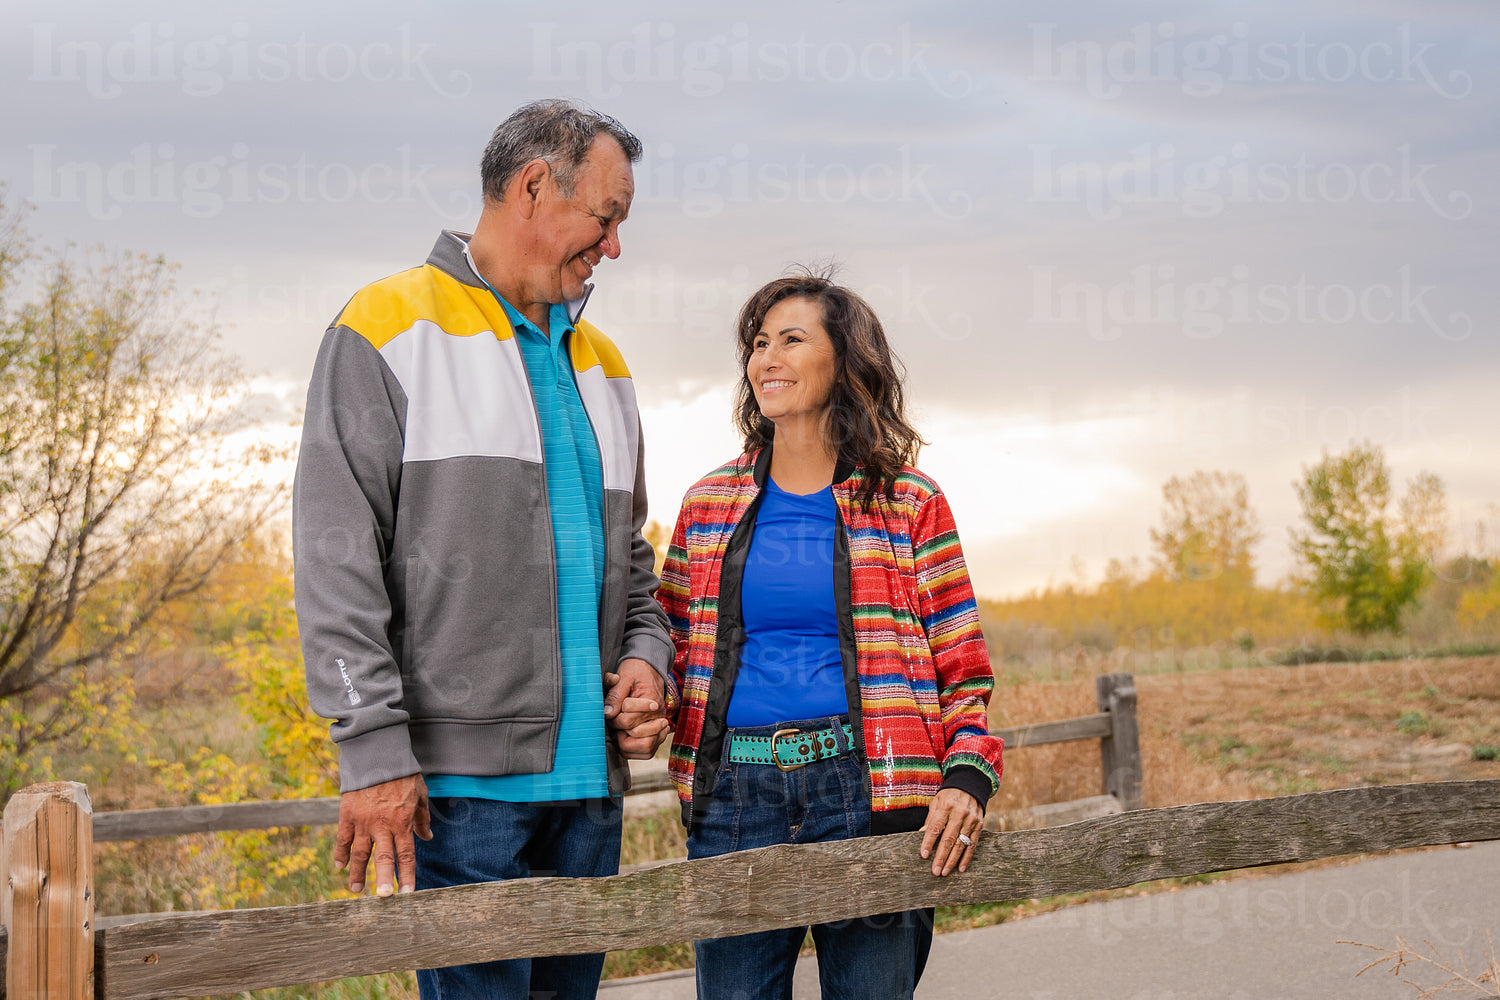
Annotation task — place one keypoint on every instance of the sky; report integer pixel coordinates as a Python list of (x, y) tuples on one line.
[(1113, 243)]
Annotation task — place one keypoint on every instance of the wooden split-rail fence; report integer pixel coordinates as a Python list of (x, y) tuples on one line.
[(54, 946)]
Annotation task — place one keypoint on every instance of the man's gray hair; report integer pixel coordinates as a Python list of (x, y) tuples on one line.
[(558, 131)]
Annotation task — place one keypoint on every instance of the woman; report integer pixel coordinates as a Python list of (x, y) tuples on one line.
[(832, 675)]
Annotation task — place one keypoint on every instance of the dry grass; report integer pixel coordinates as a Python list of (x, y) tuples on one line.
[(1243, 734), (1285, 730), (1481, 982), (653, 836), (1062, 772)]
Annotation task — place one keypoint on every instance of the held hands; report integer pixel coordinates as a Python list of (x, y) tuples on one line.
[(635, 702), (378, 822), (953, 812)]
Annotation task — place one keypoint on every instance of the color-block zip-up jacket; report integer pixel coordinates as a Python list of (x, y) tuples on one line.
[(425, 572), (916, 672)]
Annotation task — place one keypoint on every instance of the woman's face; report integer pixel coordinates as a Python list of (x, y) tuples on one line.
[(792, 362)]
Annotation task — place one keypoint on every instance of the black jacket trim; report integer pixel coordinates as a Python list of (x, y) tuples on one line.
[(897, 820), (727, 645), (968, 778)]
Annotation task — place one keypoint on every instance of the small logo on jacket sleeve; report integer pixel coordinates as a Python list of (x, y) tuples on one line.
[(348, 684)]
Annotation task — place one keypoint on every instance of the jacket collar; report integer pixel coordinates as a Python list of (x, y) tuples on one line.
[(449, 256)]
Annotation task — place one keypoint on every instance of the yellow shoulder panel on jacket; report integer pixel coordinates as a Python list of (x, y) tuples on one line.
[(594, 348), (382, 310)]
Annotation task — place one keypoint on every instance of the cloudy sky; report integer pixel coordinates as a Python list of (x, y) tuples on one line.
[(1113, 242)]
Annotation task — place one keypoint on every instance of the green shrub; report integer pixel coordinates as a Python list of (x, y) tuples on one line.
[(1413, 723)]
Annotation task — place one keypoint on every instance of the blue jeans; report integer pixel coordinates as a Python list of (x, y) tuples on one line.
[(481, 840), (757, 805)]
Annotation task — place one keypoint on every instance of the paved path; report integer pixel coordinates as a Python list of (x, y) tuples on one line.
[(1272, 938)]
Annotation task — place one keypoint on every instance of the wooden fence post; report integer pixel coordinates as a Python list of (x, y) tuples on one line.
[(1121, 751), (47, 899)]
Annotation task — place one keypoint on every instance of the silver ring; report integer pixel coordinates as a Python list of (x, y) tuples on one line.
[(963, 838)]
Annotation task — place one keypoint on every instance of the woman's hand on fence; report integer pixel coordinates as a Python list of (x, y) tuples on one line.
[(954, 814), (379, 822)]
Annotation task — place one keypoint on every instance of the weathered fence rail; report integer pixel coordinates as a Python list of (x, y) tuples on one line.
[(44, 949), (236, 950), (1114, 725), (138, 824)]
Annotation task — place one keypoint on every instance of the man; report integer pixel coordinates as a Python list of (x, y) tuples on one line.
[(473, 589)]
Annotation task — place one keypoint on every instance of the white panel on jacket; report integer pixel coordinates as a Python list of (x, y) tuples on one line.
[(612, 409), (464, 395)]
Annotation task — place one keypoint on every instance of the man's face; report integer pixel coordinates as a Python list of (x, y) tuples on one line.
[(574, 234)]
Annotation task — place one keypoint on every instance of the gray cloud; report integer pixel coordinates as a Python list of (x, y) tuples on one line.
[(1059, 210)]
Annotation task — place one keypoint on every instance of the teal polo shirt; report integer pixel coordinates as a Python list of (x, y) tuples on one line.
[(575, 497)]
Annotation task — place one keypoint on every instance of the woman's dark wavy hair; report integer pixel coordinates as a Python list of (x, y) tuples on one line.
[(867, 409)]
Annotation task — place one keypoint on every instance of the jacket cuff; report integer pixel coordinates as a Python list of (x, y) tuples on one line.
[(654, 649), (674, 700), (967, 778), (377, 756)]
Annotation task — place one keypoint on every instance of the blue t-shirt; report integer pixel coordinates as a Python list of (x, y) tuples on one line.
[(790, 665)]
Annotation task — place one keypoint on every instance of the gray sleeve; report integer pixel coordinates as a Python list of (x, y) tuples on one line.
[(646, 635), (343, 525)]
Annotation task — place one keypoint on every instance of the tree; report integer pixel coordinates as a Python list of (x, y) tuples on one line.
[(1363, 565), (124, 479), (1208, 528), (660, 537)]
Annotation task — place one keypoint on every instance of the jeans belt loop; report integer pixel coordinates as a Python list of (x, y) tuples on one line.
[(842, 742)]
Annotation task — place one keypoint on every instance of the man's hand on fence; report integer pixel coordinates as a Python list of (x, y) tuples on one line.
[(953, 813), (379, 822), (635, 701)]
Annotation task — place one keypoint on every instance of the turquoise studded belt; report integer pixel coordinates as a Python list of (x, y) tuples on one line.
[(788, 749)]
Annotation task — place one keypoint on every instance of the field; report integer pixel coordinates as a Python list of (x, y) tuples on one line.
[(1256, 732), (1261, 731), (1206, 736)]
